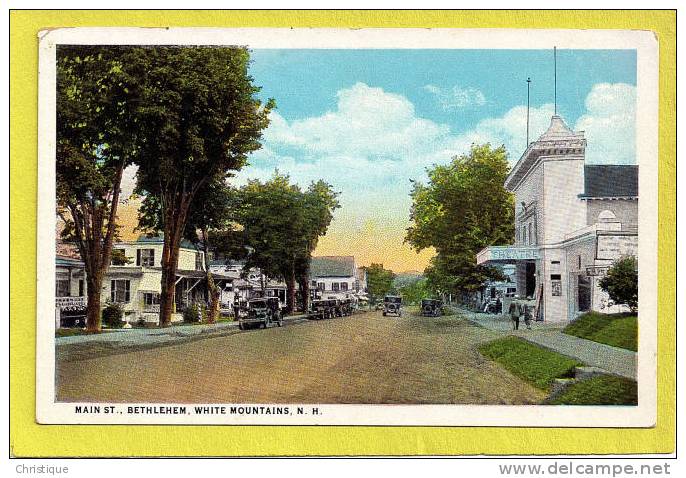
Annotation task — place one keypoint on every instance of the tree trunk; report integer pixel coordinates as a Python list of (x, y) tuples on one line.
[(174, 223), (212, 289), (305, 288), (94, 291), (290, 292)]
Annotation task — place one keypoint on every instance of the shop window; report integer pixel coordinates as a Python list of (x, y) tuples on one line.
[(120, 290)]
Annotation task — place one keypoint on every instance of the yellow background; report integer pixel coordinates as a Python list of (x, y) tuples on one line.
[(30, 439)]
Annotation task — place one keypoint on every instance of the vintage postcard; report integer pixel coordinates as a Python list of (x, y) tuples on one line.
[(430, 227)]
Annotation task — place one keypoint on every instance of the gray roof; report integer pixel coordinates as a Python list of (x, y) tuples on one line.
[(609, 181), (65, 261), (332, 266), (159, 239)]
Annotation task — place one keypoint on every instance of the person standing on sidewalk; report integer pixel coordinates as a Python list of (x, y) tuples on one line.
[(515, 312)]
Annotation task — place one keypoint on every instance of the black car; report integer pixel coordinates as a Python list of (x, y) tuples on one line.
[(432, 308), (263, 312), (392, 304)]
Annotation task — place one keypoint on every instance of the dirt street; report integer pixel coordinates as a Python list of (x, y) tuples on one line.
[(365, 358)]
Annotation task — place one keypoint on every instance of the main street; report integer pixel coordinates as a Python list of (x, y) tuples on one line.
[(366, 358)]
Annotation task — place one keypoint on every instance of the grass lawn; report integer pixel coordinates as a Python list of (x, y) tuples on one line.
[(535, 364), (618, 330), (600, 390)]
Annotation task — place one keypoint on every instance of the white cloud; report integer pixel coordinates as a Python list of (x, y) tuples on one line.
[(457, 97), (610, 124)]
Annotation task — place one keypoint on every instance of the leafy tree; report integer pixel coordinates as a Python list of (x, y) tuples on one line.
[(621, 282), (201, 120), (319, 203), (414, 291), (281, 226), (211, 213), (379, 281), (463, 208), (96, 139)]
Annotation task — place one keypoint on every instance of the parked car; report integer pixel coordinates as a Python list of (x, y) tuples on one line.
[(322, 309), (432, 308), (392, 304), (263, 312)]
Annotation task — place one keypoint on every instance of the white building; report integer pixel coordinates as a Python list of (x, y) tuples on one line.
[(572, 221), (244, 284), (334, 275), (136, 285)]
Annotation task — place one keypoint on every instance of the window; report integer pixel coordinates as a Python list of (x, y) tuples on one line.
[(524, 235), (81, 288), (579, 263), (120, 290), (62, 288), (335, 286), (145, 257), (321, 286), (151, 298), (314, 284), (344, 286), (554, 262), (199, 263), (555, 277), (531, 236)]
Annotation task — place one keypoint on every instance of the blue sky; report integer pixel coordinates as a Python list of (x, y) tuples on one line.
[(369, 121), (304, 82)]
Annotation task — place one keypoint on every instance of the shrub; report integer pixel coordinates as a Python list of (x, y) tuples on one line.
[(621, 282), (193, 314), (112, 316)]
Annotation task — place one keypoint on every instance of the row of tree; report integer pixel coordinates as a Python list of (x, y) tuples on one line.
[(187, 118)]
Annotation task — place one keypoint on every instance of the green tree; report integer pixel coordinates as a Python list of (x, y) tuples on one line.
[(211, 219), (379, 281), (463, 208), (414, 291), (96, 139), (621, 282), (201, 120), (281, 226)]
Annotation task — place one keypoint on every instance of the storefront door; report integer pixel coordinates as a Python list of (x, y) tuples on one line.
[(583, 293)]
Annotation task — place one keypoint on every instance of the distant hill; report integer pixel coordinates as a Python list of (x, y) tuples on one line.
[(406, 278)]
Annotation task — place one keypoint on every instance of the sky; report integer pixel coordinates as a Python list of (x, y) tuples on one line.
[(369, 121)]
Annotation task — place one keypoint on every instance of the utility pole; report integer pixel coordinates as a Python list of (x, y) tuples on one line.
[(555, 76), (528, 104)]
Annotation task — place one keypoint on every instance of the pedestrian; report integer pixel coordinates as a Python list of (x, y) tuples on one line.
[(236, 306), (515, 312), (528, 312)]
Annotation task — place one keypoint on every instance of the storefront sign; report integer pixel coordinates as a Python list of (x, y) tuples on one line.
[(513, 253), (614, 247)]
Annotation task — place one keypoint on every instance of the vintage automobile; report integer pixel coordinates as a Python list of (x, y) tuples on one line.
[(320, 309), (432, 308), (262, 312), (392, 304)]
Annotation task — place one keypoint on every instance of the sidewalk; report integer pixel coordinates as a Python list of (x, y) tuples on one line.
[(613, 360), (160, 336)]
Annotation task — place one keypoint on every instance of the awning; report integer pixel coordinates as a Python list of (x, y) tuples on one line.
[(493, 254)]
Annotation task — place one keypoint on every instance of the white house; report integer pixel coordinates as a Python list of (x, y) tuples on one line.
[(572, 220), (136, 285), (335, 275)]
